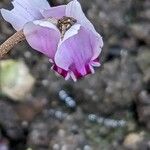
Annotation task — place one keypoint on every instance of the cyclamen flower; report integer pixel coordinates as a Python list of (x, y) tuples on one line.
[(72, 45)]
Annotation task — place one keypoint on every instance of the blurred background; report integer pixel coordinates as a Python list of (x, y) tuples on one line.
[(109, 110)]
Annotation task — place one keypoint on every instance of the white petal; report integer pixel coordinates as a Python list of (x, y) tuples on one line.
[(24, 11), (73, 9)]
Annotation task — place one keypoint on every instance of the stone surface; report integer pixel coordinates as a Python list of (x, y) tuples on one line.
[(144, 63), (141, 31), (15, 80), (118, 85), (143, 108), (38, 136), (10, 122), (119, 90), (132, 140)]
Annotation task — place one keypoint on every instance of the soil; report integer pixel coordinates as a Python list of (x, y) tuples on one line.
[(105, 111)]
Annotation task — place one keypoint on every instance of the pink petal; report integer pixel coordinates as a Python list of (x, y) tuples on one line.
[(42, 36), (24, 11), (59, 70), (73, 9), (56, 12), (77, 53)]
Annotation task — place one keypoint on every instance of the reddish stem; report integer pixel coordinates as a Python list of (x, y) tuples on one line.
[(11, 42)]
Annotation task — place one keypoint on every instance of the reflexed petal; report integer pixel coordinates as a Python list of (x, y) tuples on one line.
[(96, 62), (77, 52), (43, 37), (38, 4), (15, 19), (73, 9), (24, 11), (56, 12)]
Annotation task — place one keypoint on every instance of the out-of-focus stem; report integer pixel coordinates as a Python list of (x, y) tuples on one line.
[(11, 42)]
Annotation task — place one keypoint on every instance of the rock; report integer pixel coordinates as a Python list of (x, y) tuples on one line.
[(38, 135), (15, 79), (143, 59), (4, 145), (68, 147), (9, 121), (87, 147), (132, 140), (29, 109), (66, 141), (145, 14), (137, 141), (143, 108), (144, 62), (141, 31)]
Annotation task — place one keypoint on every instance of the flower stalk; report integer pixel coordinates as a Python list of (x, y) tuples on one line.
[(11, 42)]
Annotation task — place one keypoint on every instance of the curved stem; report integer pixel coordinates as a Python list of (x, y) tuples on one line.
[(11, 42)]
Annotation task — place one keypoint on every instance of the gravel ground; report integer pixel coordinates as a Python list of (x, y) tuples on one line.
[(105, 111)]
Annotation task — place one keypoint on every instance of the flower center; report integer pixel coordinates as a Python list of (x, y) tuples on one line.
[(64, 24)]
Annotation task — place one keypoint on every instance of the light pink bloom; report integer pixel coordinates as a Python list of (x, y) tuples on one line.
[(76, 53)]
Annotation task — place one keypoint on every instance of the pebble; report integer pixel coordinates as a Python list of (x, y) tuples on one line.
[(3, 145), (106, 122), (56, 147), (38, 135), (16, 80), (87, 147), (9, 121), (132, 140), (69, 101)]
